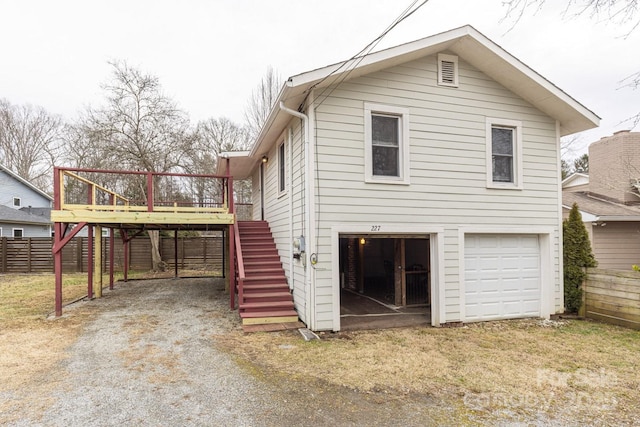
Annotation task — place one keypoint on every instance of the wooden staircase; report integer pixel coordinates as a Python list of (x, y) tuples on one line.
[(265, 297)]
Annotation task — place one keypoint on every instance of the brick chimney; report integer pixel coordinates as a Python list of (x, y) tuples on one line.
[(614, 162)]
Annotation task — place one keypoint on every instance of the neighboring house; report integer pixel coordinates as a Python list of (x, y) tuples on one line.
[(608, 199), (24, 209), (426, 174)]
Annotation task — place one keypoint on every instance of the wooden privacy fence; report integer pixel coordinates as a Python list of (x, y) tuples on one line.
[(33, 255), (613, 296)]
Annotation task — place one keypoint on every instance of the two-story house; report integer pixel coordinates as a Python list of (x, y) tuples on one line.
[(422, 175), (24, 209)]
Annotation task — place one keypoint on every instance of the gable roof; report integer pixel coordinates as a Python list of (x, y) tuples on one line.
[(599, 209), (24, 181), (576, 178), (468, 43), (20, 216)]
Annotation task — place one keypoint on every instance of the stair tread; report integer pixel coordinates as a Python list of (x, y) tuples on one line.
[(267, 294), (266, 304), (274, 313)]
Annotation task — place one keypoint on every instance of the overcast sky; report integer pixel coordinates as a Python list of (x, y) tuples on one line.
[(210, 54)]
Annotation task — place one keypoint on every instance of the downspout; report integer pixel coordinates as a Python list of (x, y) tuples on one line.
[(308, 178), (290, 151)]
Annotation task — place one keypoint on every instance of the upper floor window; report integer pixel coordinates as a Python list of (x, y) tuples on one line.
[(504, 153), (282, 161), (17, 202), (18, 233), (386, 144), (447, 70)]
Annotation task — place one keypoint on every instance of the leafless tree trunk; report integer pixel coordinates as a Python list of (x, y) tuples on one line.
[(29, 141)]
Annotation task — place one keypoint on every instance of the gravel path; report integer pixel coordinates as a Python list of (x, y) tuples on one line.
[(149, 358)]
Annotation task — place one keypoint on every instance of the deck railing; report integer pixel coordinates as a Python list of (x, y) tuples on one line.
[(134, 191)]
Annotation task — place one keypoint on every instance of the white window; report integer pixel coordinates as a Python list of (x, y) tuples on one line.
[(282, 162), (17, 202), (504, 153), (447, 70), (18, 233), (0, 231), (386, 135)]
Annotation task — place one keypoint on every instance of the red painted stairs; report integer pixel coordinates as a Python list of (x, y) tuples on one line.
[(266, 297)]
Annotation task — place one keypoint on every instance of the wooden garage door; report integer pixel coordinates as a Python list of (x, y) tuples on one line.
[(502, 276)]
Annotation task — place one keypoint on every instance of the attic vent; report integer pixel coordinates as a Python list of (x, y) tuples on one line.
[(447, 70)]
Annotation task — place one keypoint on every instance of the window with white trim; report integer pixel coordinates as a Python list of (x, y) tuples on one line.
[(18, 233), (504, 153), (17, 202), (447, 70), (0, 231), (386, 144), (282, 168)]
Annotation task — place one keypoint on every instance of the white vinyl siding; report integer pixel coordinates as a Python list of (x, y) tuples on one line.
[(447, 141), (448, 167)]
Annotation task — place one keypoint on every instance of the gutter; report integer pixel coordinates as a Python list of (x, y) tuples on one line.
[(308, 174)]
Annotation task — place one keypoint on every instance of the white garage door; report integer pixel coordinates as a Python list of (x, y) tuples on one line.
[(502, 276)]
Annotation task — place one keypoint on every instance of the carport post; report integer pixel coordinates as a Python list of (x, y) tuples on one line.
[(57, 266), (90, 261), (97, 261), (111, 257), (90, 247), (175, 252)]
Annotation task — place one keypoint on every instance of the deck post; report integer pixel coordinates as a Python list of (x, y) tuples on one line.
[(97, 261), (125, 247), (57, 236), (90, 247), (149, 192), (57, 267), (175, 253), (111, 257)]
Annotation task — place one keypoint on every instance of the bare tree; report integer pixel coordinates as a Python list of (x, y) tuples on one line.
[(620, 12), (29, 141), (262, 101), (581, 164), (215, 136), (137, 128)]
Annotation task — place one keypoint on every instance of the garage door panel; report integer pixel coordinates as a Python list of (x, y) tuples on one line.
[(502, 276)]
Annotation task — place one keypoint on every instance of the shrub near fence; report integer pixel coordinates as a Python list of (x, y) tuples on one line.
[(33, 255), (613, 296)]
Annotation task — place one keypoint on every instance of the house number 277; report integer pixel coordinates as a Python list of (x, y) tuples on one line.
[(375, 228)]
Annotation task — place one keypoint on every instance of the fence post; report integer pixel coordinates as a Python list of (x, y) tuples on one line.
[(5, 255)]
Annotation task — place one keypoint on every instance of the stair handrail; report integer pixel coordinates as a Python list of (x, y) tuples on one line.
[(239, 264)]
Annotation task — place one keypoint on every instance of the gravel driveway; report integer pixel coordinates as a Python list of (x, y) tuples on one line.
[(148, 357)]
